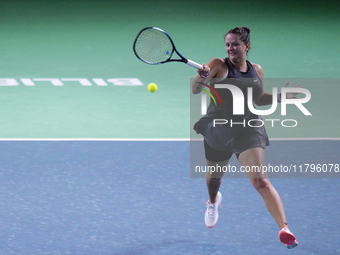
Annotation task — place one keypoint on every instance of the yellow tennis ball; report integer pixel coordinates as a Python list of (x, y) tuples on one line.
[(152, 87)]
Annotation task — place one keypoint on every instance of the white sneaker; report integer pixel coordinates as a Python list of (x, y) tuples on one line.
[(211, 214)]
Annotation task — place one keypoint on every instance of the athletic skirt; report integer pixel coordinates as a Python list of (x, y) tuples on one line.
[(236, 138)]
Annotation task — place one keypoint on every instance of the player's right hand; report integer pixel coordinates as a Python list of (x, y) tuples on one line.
[(204, 71)]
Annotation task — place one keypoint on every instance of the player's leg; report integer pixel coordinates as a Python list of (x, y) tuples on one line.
[(214, 180), (216, 160), (255, 158)]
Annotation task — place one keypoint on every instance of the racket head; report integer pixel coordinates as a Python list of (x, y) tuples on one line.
[(153, 46)]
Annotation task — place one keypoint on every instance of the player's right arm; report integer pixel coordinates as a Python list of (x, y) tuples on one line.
[(212, 68)]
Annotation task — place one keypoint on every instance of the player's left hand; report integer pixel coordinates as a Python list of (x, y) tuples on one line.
[(292, 94)]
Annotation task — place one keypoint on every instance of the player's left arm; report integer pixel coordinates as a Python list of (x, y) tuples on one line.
[(264, 98)]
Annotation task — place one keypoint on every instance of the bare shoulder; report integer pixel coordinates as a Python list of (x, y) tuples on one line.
[(217, 64), (217, 61), (258, 69), (217, 67)]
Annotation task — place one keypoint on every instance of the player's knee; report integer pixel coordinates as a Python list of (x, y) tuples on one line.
[(260, 184)]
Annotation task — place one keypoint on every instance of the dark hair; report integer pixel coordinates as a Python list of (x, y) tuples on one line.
[(242, 32)]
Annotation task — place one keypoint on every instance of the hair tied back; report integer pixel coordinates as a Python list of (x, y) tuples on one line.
[(246, 29)]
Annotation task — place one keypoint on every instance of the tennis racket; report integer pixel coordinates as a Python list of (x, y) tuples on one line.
[(154, 46)]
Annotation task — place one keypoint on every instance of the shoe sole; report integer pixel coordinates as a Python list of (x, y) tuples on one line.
[(288, 239)]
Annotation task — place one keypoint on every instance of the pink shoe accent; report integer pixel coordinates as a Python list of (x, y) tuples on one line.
[(288, 238)]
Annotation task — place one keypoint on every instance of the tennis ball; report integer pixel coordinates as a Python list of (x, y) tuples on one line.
[(152, 87)]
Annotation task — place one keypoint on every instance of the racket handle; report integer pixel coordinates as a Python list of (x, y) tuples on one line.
[(193, 64)]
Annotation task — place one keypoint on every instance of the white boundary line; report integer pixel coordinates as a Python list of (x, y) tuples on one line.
[(157, 139), (307, 139)]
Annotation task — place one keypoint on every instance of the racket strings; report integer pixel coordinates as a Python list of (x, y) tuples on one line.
[(153, 46)]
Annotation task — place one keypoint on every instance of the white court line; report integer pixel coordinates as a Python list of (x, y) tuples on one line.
[(307, 139), (159, 139)]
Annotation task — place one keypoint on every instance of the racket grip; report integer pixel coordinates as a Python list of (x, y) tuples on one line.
[(193, 64)]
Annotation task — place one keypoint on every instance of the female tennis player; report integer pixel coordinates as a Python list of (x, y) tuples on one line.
[(247, 142)]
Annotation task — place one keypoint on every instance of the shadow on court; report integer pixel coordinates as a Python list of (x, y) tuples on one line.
[(105, 198)]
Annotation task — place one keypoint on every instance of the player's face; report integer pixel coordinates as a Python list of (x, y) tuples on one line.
[(236, 49)]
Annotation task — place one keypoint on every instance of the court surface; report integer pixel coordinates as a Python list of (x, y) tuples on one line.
[(81, 197), (93, 163)]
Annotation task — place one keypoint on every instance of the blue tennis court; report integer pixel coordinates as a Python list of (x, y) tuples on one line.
[(137, 197), (92, 163)]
